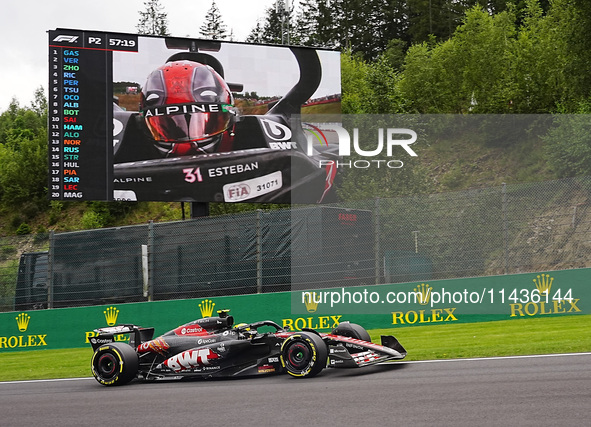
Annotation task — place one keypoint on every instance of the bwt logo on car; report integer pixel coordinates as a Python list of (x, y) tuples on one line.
[(387, 138), (191, 359)]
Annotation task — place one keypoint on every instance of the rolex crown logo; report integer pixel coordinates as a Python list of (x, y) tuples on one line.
[(423, 293), (206, 306), (111, 314), (310, 302), (543, 283), (22, 321)]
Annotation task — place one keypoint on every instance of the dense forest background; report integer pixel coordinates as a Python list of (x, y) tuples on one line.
[(398, 56)]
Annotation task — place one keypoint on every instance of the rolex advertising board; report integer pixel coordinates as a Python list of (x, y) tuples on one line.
[(518, 296)]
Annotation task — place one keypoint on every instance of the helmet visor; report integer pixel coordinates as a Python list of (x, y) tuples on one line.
[(188, 126)]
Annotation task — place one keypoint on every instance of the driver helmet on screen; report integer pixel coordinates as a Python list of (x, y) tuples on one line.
[(188, 107)]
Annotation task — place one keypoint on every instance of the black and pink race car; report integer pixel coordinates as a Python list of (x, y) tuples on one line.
[(214, 347)]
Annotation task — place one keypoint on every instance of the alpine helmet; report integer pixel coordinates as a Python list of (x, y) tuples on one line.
[(187, 107)]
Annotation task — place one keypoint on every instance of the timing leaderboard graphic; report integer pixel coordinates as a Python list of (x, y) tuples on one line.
[(80, 109), (135, 118)]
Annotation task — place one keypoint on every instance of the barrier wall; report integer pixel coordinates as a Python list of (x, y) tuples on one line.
[(557, 293)]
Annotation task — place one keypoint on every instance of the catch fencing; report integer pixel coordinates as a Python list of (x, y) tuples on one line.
[(506, 229)]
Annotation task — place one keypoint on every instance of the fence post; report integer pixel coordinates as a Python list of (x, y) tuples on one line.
[(50, 269), (377, 240), (150, 260), (259, 253), (505, 230)]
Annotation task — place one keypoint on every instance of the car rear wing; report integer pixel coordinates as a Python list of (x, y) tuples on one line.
[(137, 335)]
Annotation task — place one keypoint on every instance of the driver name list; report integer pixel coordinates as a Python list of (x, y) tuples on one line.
[(80, 113)]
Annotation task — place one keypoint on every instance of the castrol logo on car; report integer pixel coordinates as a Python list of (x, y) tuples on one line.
[(190, 330)]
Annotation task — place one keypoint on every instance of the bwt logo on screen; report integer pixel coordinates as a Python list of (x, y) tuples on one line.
[(387, 140)]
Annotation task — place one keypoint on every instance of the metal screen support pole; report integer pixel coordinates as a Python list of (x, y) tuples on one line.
[(50, 270), (259, 254), (377, 241), (150, 260), (505, 231), (145, 271)]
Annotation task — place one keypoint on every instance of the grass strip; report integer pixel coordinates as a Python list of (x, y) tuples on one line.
[(541, 335)]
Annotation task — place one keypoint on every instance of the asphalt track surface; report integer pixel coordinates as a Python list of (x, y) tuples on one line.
[(525, 391)]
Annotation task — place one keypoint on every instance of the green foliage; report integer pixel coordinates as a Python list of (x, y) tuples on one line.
[(395, 53), (22, 229), (467, 73), (367, 27), (41, 235), (539, 62), (453, 179), (102, 214), (55, 210), (92, 219), (23, 157), (369, 87), (567, 146), (497, 64), (8, 274), (500, 338), (433, 18), (6, 251), (355, 87)]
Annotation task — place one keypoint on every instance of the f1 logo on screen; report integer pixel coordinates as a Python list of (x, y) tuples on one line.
[(69, 39)]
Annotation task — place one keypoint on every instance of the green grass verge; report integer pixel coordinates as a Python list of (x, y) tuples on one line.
[(542, 335), (45, 364)]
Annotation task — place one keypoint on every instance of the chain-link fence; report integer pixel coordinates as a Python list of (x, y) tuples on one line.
[(11, 249), (499, 230)]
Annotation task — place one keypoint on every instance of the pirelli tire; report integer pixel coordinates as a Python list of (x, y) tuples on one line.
[(304, 355), (352, 330), (115, 363)]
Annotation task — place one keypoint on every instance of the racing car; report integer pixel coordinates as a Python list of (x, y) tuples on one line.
[(214, 347)]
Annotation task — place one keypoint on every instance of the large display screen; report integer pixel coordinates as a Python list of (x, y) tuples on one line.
[(136, 117)]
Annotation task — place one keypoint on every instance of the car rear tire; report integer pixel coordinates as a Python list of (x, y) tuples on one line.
[(114, 364), (304, 355)]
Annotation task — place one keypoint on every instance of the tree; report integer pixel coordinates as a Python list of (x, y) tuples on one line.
[(275, 27), (213, 27), (153, 20), (256, 34), (433, 17), (567, 145), (23, 156), (306, 24), (369, 87), (493, 64)]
